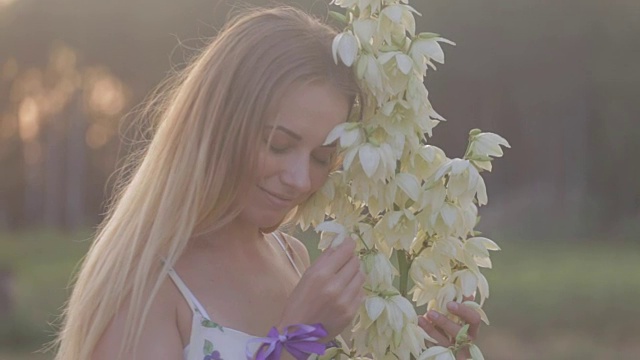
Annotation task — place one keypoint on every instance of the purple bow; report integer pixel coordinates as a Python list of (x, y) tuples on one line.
[(300, 343)]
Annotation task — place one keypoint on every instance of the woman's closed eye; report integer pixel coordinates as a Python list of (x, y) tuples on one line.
[(280, 144), (278, 149), (277, 145)]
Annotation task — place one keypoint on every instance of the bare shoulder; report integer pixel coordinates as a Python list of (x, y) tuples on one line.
[(160, 337), (299, 249)]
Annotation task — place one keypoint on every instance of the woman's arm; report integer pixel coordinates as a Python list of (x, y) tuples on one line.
[(160, 338)]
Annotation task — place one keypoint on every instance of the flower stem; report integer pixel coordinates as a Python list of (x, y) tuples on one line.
[(403, 267)]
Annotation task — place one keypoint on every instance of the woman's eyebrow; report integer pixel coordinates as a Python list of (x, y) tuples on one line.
[(285, 130), (296, 136)]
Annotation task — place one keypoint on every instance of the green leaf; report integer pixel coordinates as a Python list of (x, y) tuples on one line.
[(210, 324), (480, 157), (208, 347), (338, 17), (427, 35), (475, 132), (462, 336)]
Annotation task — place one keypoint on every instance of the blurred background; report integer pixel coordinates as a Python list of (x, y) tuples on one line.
[(558, 79)]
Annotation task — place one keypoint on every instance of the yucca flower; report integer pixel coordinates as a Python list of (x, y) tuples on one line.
[(399, 196)]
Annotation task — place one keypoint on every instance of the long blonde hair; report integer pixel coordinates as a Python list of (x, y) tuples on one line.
[(209, 127)]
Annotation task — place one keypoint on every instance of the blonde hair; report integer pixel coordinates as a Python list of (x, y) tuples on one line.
[(209, 128)]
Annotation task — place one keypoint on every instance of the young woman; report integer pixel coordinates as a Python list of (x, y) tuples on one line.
[(189, 263)]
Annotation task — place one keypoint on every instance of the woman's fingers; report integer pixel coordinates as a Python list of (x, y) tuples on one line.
[(468, 315), (442, 322), (445, 331), (333, 259), (354, 293), (428, 327)]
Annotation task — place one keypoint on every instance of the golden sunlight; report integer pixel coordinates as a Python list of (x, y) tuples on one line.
[(98, 135), (5, 3), (28, 116), (106, 93)]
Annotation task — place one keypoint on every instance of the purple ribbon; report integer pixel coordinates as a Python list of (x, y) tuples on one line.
[(301, 342)]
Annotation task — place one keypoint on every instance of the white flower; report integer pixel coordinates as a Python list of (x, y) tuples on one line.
[(397, 67), (369, 157), (397, 229), (488, 144), (425, 290), (374, 305), (475, 352), (344, 3), (395, 192), (380, 272), (345, 46), (409, 184), (417, 93), (377, 162), (464, 181), (312, 212), (370, 70), (349, 133), (428, 160), (365, 30), (362, 4), (476, 253), (426, 48), (483, 146), (400, 15), (467, 280), (475, 306), (437, 353), (333, 234)]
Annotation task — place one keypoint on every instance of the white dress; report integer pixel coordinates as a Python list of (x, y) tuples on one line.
[(209, 340)]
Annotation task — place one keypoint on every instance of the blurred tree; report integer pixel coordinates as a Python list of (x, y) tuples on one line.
[(52, 107), (556, 79)]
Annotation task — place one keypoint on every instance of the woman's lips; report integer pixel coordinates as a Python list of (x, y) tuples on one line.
[(276, 199)]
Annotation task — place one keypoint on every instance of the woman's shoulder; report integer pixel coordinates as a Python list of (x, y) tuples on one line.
[(298, 248), (159, 335)]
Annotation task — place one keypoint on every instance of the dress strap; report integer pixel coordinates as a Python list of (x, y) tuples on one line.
[(187, 294), (284, 247)]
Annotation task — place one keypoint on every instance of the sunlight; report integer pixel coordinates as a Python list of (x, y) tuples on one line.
[(106, 92), (98, 135), (5, 3), (28, 116)]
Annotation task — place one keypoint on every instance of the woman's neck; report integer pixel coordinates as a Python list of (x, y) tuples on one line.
[(236, 235)]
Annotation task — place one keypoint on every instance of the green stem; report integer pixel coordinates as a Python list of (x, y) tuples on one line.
[(403, 265)]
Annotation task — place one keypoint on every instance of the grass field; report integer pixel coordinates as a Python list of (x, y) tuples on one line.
[(549, 300)]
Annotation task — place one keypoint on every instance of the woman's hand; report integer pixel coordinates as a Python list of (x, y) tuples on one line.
[(439, 327), (330, 291)]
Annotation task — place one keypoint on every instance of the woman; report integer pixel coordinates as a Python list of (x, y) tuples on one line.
[(188, 263)]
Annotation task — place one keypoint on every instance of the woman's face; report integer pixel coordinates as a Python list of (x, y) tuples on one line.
[(293, 162)]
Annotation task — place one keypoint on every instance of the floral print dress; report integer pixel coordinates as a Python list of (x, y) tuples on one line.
[(209, 340)]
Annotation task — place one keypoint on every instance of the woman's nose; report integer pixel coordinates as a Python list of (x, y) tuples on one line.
[(296, 174)]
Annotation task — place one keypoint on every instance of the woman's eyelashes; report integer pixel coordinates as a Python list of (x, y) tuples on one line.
[(278, 149), (322, 156)]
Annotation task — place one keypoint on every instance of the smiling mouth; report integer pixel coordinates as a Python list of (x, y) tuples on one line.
[(279, 198)]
